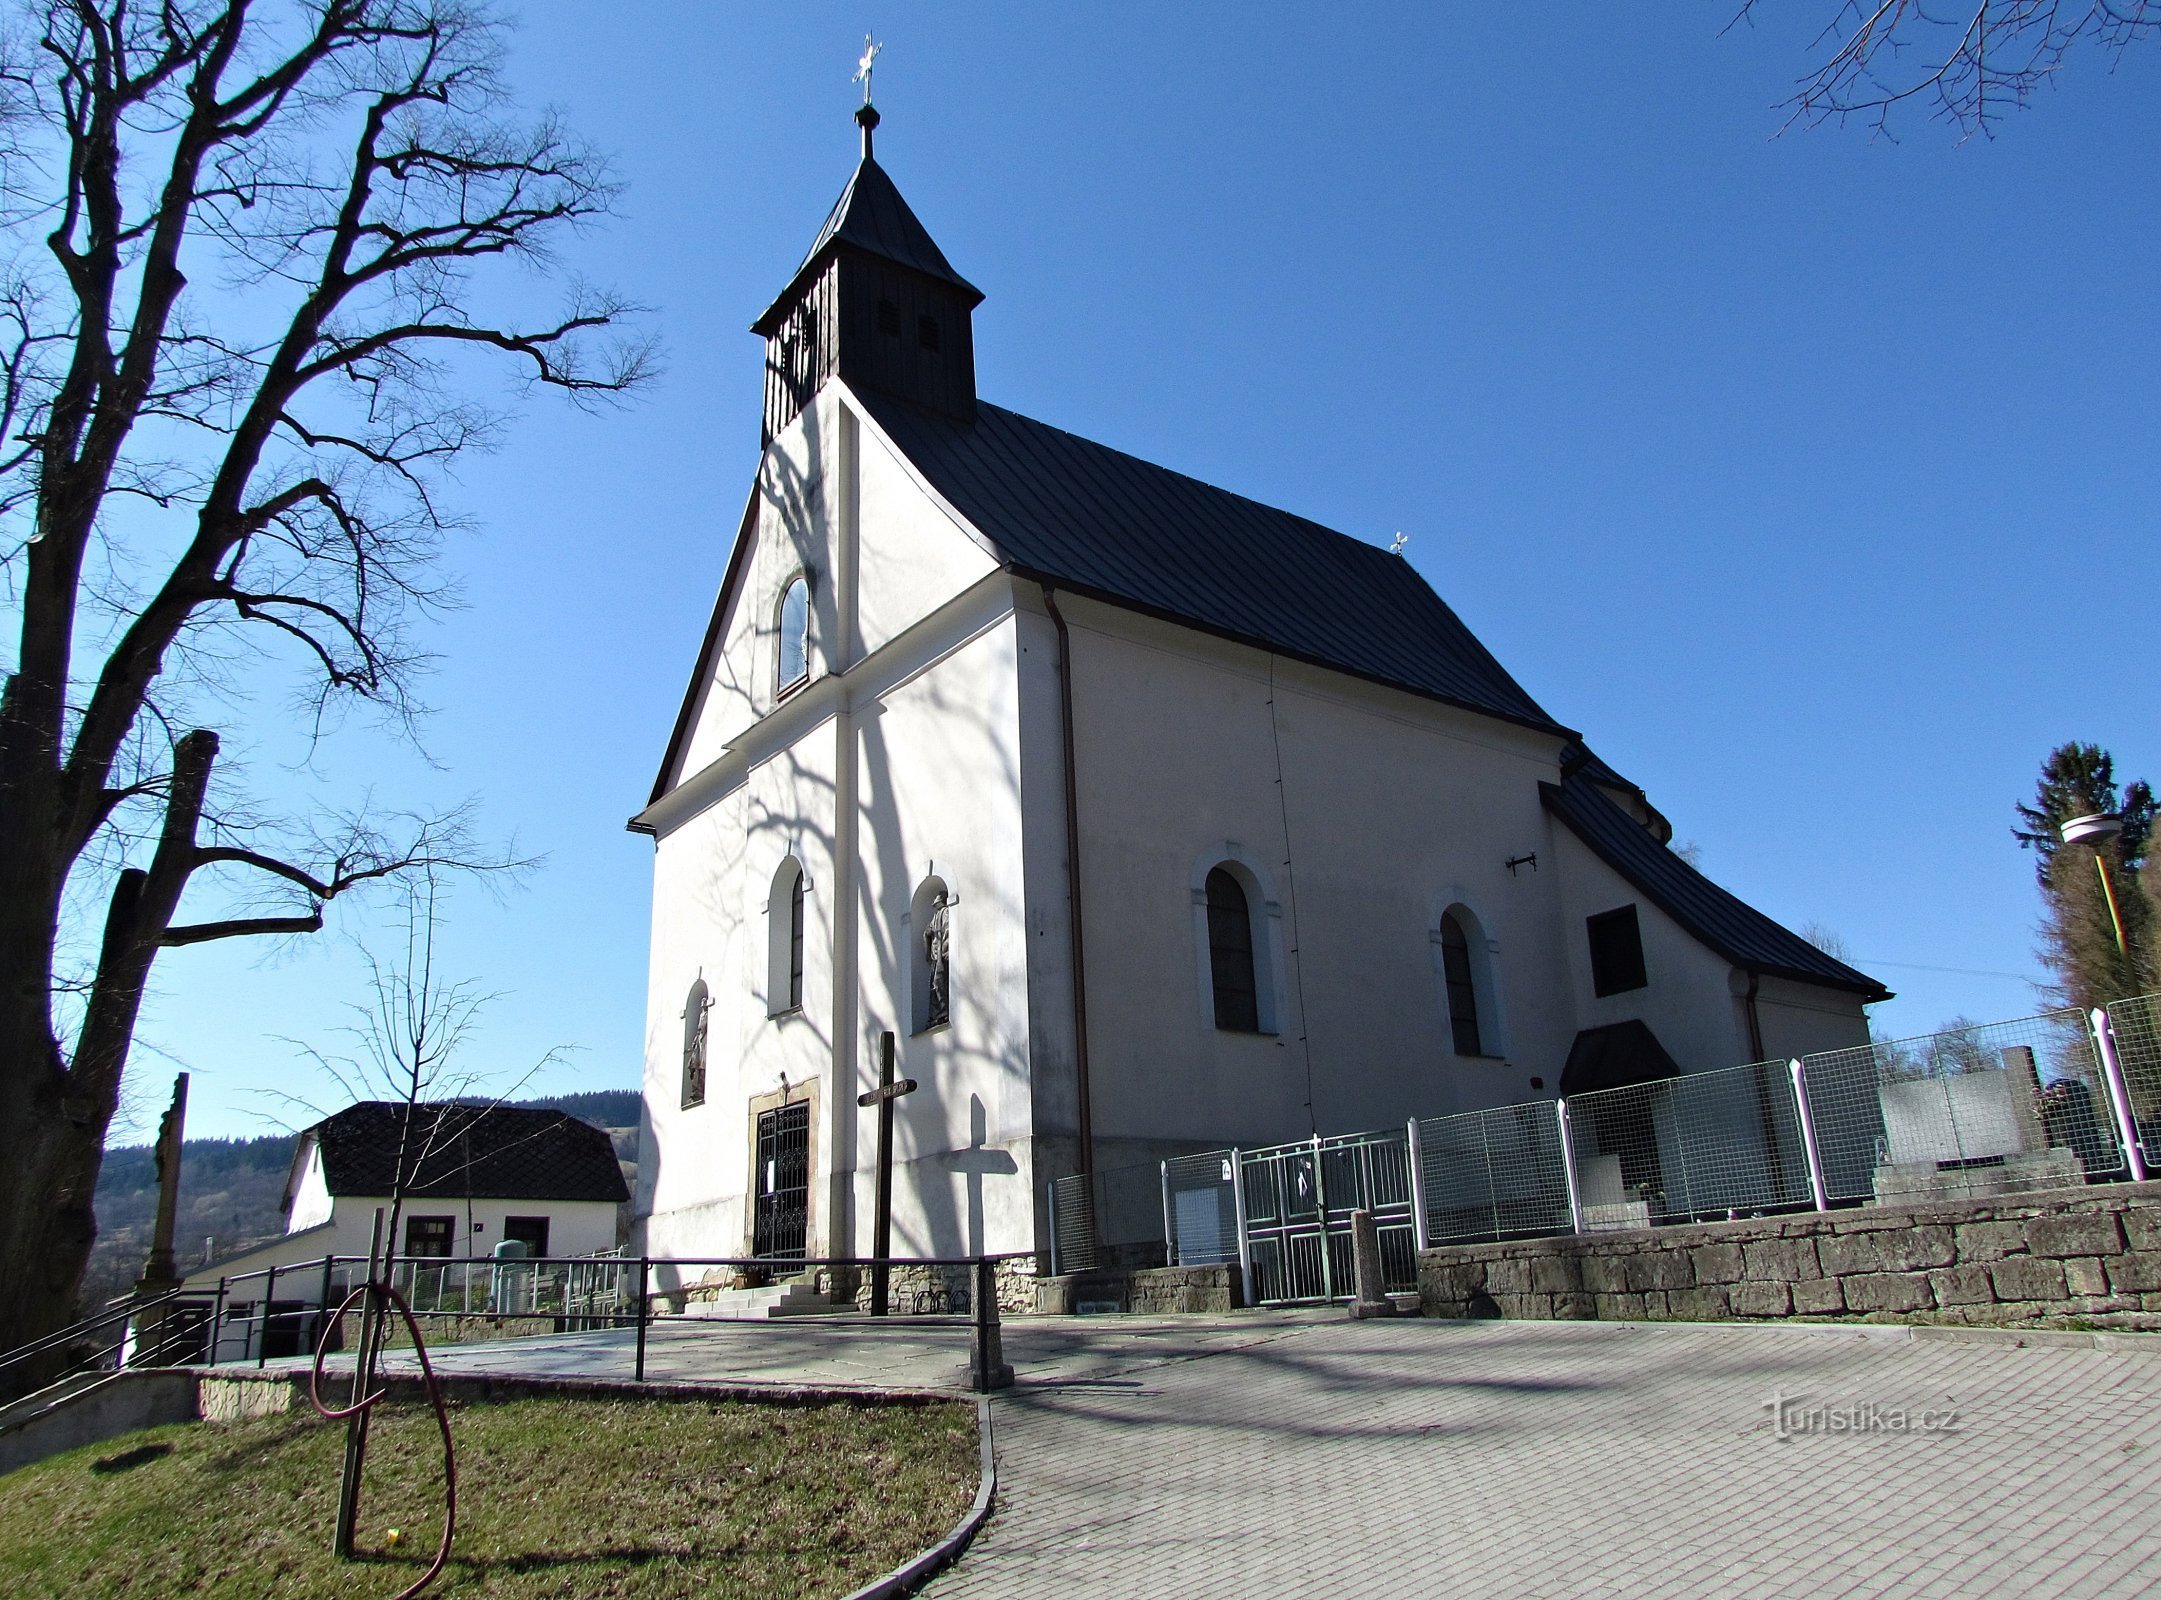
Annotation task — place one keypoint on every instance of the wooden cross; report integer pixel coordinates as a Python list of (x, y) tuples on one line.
[(881, 1266)]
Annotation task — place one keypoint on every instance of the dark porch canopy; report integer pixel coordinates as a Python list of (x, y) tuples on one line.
[(1614, 1057)]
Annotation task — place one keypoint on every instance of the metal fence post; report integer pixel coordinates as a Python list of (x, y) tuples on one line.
[(262, 1337), (217, 1322), (1170, 1234), (1238, 1209), (1416, 1153), (1320, 1214), (1568, 1165), (644, 1272), (322, 1304), (1809, 1147), (2119, 1092)]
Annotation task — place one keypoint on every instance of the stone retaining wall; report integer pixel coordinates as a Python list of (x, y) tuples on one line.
[(1149, 1291), (2093, 1254)]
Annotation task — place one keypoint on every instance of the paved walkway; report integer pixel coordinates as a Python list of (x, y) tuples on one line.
[(1298, 1453), (1554, 1459)]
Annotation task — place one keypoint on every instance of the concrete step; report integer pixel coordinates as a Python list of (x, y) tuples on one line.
[(791, 1299)]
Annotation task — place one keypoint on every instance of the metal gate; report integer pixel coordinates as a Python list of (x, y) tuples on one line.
[(779, 1222), (1298, 1204)]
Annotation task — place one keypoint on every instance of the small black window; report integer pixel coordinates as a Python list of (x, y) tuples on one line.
[(1462, 993), (428, 1236), (694, 1010), (1616, 952), (532, 1232), (926, 332), (889, 318), (1230, 955)]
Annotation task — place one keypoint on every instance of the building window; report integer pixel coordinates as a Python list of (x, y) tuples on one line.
[(532, 1232), (1461, 989), (889, 318), (794, 660), (931, 921), (694, 1010), (1616, 952), (926, 332), (1230, 954), (784, 950), (428, 1236)]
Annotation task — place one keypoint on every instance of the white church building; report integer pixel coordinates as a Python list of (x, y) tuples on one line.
[(1148, 819)]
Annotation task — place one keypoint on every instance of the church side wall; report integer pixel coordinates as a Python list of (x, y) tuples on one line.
[(1391, 810)]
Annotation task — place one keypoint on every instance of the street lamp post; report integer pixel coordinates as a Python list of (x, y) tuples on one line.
[(2096, 831)]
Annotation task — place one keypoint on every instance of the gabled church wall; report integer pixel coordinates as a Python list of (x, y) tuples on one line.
[(1799, 1019), (1691, 1001), (940, 798), (913, 556)]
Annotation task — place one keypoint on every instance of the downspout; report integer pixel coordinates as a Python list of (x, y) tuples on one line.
[(1073, 890), (1763, 1097)]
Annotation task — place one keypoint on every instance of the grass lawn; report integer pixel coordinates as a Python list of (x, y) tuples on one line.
[(568, 1498)]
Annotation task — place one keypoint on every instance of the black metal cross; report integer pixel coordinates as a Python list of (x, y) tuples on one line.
[(881, 1266)]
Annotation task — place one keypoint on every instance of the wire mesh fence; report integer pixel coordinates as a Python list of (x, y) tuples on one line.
[(2136, 1027), (1997, 1108), (1978, 1110), (1493, 1174), (1705, 1145)]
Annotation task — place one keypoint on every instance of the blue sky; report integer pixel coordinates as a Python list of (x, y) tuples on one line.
[(1809, 475)]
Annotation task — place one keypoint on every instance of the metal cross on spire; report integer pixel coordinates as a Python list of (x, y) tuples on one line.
[(864, 66)]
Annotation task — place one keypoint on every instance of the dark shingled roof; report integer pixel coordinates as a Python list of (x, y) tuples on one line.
[(1078, 515), (1616, 1056), (485, 1152), (871, 216), (1737, 931)]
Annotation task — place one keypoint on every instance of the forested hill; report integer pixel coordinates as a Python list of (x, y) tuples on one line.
[(231, 1192)]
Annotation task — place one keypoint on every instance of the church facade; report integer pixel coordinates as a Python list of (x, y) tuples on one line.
[(1146, 819)]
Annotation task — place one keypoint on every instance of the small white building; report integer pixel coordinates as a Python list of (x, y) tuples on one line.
[(1148, 819), (478, 1175)]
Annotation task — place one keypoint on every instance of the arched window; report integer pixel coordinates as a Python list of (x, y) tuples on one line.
[(931, 928), (694, 1009), (1470, 993), (1230, 954), (784, 948), (793, 664), (1461, 990)]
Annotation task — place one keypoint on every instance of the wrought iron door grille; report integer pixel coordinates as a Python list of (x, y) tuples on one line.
[(779, 1224), (1299, 1200)]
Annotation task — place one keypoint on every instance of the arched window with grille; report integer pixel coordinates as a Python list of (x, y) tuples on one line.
[(792, 664), (694, 1010), (784, 910), (930, 921), (1231, 969)]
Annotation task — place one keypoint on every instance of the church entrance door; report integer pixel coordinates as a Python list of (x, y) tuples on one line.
[(782, 1207)]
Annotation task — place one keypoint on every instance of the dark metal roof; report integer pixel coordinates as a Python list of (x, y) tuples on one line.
[(871, 216), (1616, 1056), (1079, 515), (1737, 931), (481, 1152)]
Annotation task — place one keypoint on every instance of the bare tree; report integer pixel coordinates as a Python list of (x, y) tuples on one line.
[(1966, 61), (237, 333)]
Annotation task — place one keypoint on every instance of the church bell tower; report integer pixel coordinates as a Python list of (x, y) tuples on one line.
[(875, 302)]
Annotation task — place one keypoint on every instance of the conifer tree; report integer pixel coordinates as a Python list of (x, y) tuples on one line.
[(2078, 935)]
